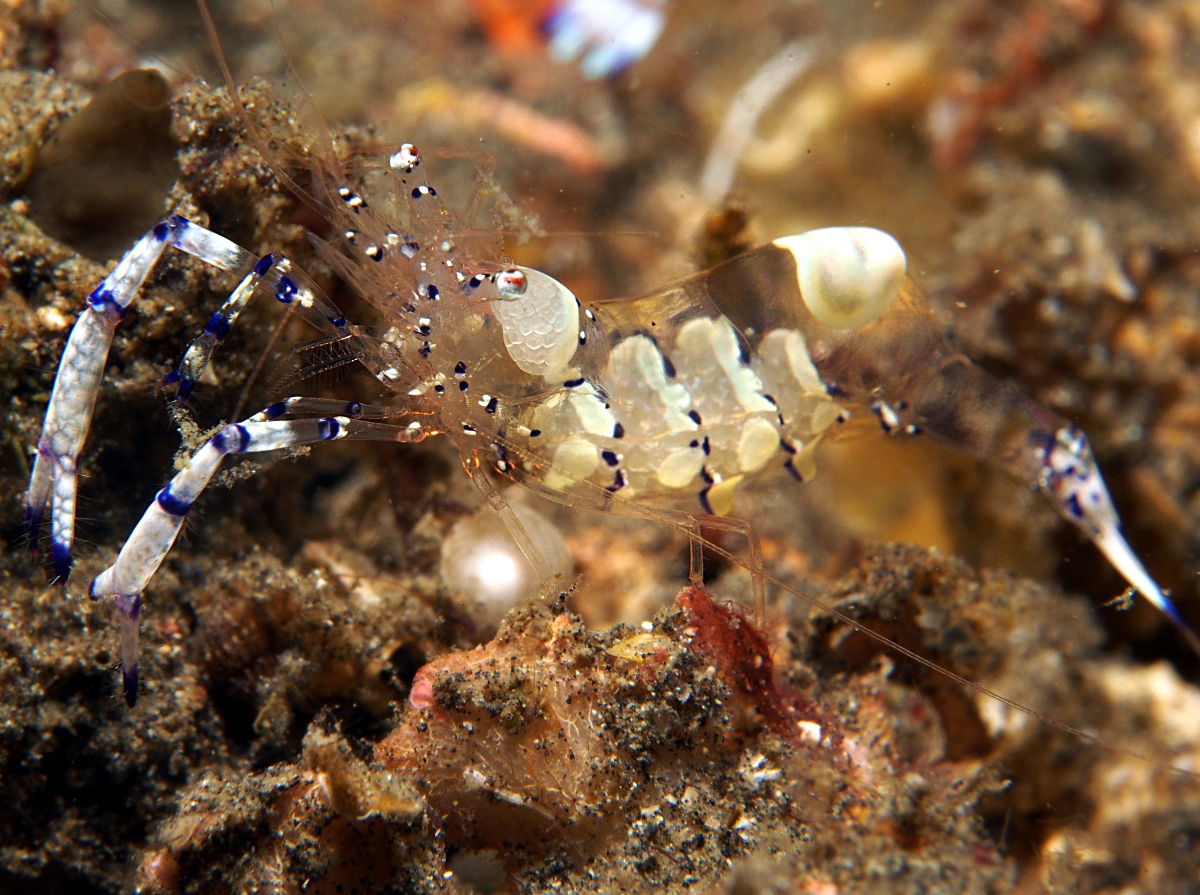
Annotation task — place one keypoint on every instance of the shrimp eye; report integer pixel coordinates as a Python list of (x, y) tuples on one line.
[(511, 283), (848, 276), (405, 158)]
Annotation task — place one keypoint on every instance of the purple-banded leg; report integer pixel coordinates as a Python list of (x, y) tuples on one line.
[(290, 286), (152, 537), (1070, 475), (73, 398)]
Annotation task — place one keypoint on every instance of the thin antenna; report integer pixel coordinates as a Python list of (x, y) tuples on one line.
[(251, 128)]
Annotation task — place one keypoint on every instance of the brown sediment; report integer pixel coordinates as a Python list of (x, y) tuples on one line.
[(303, 603)]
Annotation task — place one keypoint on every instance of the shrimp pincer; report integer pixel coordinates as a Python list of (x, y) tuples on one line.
[(670, 399)]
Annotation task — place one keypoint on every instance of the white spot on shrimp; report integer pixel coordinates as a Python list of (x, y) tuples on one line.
[(758, 443), (848, 276), (680, 467), (715, 337), (574, 460), (405, 158)]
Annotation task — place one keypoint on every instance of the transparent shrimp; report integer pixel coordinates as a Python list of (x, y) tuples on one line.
[(664, 402)]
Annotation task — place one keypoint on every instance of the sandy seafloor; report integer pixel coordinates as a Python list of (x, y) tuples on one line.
[(1041, 163)]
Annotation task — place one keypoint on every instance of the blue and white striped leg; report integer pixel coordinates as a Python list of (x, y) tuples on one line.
[(73, 398), (290, 286), (152, 538)]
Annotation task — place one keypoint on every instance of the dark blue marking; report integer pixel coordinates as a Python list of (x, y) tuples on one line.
[(610, 457), (440, 389), (286, 289), (328, 428), (668, 367), (792, 469), (835, 391), (534, 433), (574, 383), (787, 447), (704, 504), (618, 431), (743, 352), (170, 379), (264, 264), (774, 403), (1073, 506), (582, 337), (423, 329), (232, 439), (102, 301), (170, 504), (424, 351), (60, 558), (339, 321), (695, 417), (694, 443), (620, 480), (33, 521), (129, 685), (432, 293), (707, 476), (162, 230), (130, 606), (706, 446), (185, 388), (354, 408), (464, 385), (460, 369), (276, 410), (218, 326), (492, 404)]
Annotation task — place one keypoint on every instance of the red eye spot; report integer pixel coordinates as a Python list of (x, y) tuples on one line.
[(511, 282)]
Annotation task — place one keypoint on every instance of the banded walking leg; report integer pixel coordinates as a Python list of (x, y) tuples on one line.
[(73, 398), (68, 416), (155, 533), (290, 286)]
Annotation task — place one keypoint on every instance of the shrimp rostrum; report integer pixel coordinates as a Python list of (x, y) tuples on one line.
[(668, 400)]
